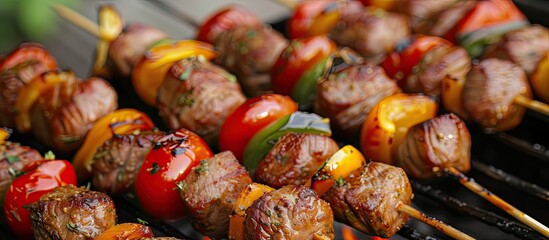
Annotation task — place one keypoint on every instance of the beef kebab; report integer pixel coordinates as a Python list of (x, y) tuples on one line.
[(176, 77), (425, 146)]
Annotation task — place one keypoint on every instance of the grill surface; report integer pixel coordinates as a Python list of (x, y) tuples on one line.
[(522, 152)]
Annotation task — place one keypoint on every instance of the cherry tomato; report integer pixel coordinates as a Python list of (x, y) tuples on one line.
[(224, 20), (121, 121), (126, 231), (313, 18), (387, 124), (39, 178), (249, 118), (149, 73), (400, 63), (300, 56), (29, 52), (165, 166)]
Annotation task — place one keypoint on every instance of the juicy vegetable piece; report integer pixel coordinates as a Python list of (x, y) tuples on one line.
[(312, 18), (540, 79), (345, 161), (247, 197), (122, 121), (387, 124), (39, 178), (167, 164), (149, 73), (30, 93), (249, 118), (111, 25), (263, 141), (126, 231), (4, 135), (224, 20)]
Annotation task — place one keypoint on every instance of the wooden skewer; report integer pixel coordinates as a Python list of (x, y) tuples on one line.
[(532, 104), (77, 19), (291, 4), (483, 192), (446, 229)]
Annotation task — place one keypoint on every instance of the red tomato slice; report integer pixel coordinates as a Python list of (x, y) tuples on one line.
[(252, 116)]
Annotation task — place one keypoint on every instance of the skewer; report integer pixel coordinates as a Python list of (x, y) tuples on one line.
[(532, 104), (77, 19), (446, 229), (504, 224), (516, 182), (291, 4), (483, 192)]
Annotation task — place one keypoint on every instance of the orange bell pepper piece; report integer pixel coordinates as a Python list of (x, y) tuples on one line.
[(246, 198), (540, 79), (149, 73), (29, 93), (451, 95), (340, 165), (387, 124), (121, 121), (126, 231), (4, 134)]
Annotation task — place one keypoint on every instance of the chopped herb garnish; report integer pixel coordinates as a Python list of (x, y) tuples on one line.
[(72, 227), (251, 34), (154, 168), (14, 172), (281, 158), (101, 154), (268, 212), (142, 222), (49, 155), (203, 166), (185, 99), (231, 78), (12, 159), (68, 138), (340, 182), (180, 185), (185, 75), (277, 224)]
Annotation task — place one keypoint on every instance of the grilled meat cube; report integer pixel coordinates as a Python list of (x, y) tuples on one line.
[(525, 47), (128, 48), (250, 53), (438, 63), (434, 145), (347, 96), (199, 96), (62, 117), (118, 160), (13, 157), (71, 212), (435, 18), (372, 32), (210, 192), (13, 79), (291, 212), (489, 92), (294, 159), (368, 198)]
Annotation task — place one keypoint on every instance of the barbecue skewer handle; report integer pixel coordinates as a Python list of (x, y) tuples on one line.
[(532, 104), (446, 229), (510, 209)]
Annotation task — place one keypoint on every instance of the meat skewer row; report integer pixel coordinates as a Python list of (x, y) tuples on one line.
[(220, 166), (438, 145), (187, 89)]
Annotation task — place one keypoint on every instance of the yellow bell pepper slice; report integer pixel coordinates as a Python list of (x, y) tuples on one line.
[(540, 79), (4, 134), (111, 25)]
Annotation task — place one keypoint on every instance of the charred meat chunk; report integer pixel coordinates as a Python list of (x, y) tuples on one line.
[(291, 212), (489, 93), (434, 145), (294, 159), (128, 48), (347, 96), (199, 96), (210, 192), (70, 212), (438, 63), (62, 117), (13, 78), (368, 199), (118, 160), (13, 157), (250, 53), (372, 32), (524, 47)]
